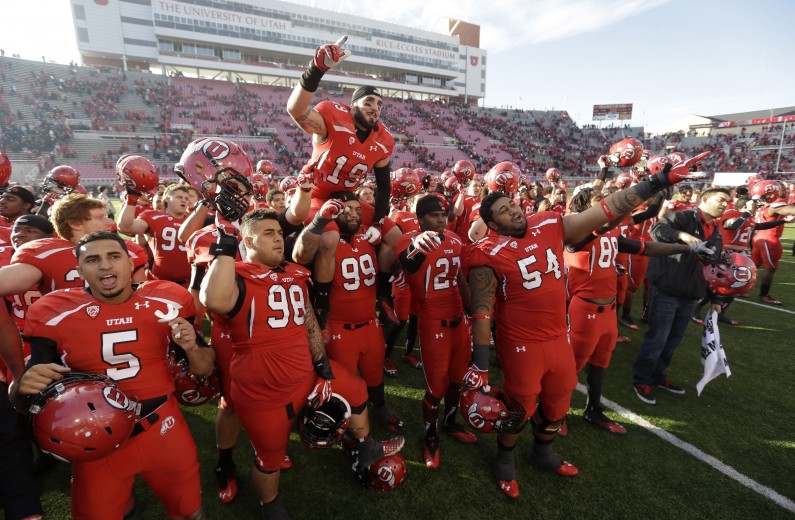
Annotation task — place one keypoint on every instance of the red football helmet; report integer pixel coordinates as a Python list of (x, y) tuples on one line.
[(60, 181), (445, 175), (137, 173), (767, 191), (733, 275), (79, 188), (385, 474), (259, 185), (82, 417), (190, 389), (623, 180), (324, 426), (656, 164), (5, 170), (266, 168), (464, 171), (492, 411), (677, 158), (553, 175), (753, 179), (504, 177), (627, 152), (220, 170), (405, 184), (289, 184)]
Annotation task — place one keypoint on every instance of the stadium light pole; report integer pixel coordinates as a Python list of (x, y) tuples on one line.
[(780, 146)]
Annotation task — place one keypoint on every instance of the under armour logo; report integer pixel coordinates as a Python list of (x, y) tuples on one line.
[(440, 335), (505, 486), (225, 334), (521, 349), (592, 316), (373, 148), (141, 305), (535, 232), (336, 336)]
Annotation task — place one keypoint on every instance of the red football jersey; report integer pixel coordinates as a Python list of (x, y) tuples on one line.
[(269, 323), (137, 253), (678, 205), (124, 341), (198, 245), (435, 284), (531, 293), (762, 215), (55, 258), (738, 239), (343, 161), (6, 247), (591, 272), (353, 288), (171, 260)]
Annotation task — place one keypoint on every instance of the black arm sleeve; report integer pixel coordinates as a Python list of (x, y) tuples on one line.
[(241, 297), (579, 246), (770, 225), (649, 212), (42, 350), (413, 264), (739, 221), (628, 245), (383, 192)]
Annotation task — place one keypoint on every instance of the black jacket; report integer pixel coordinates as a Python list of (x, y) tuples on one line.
[(680, 275)]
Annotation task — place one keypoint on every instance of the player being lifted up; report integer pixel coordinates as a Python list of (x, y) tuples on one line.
[(347, 142)]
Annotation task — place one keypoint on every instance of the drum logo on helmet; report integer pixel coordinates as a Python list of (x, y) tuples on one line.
[(115, 398), (742, 275), (385, 474), (215, 150)]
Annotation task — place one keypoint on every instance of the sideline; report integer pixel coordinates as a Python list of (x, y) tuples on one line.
[(730, 472)]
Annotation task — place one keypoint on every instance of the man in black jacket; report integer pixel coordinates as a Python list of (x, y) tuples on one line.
[(676, 286)]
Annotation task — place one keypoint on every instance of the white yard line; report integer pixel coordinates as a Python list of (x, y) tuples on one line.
[(730, 472)]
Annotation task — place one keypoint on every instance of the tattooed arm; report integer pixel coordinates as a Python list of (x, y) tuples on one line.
[(482, 289), (306, 117), (317, 347)]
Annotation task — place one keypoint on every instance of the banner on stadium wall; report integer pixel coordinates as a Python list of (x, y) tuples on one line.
[(213, 15), (758, 121), (418, 50), (612, 112), (731, 178)]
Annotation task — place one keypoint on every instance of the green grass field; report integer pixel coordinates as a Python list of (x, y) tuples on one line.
[(746, 422)]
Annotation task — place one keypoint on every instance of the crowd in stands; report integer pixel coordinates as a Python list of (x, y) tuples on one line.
[(164, 114)]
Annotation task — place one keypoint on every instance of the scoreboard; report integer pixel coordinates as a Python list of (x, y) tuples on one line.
[(610, 112)]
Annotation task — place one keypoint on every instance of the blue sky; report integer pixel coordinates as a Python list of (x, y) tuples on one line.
[(668, 57)]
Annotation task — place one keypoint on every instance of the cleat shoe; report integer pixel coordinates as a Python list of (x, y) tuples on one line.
[(460, 433), (227, 484), (430, 452), (644, 394), (567, 469), (771, 301), (697, 319), (623, 339), (393, 445), (389, 367), (510, 488), (551, 462), (597, 416), (395, 425), (286, 463), (628, 323), (668, 385), (412, 360), (564, 428), (725, 319)]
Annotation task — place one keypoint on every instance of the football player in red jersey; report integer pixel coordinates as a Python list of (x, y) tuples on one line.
[(161, 228), (16, 201), (279, 364), (431, 260), (122, 332), (348, 141), (523, 256), (356, 339), (50, 263), (767, 249), (591, 287)]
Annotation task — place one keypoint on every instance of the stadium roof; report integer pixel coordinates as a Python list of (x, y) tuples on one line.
[(753, 114)]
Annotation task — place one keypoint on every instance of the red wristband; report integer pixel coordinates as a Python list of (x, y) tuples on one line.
[(608, 213), (481, 316)]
